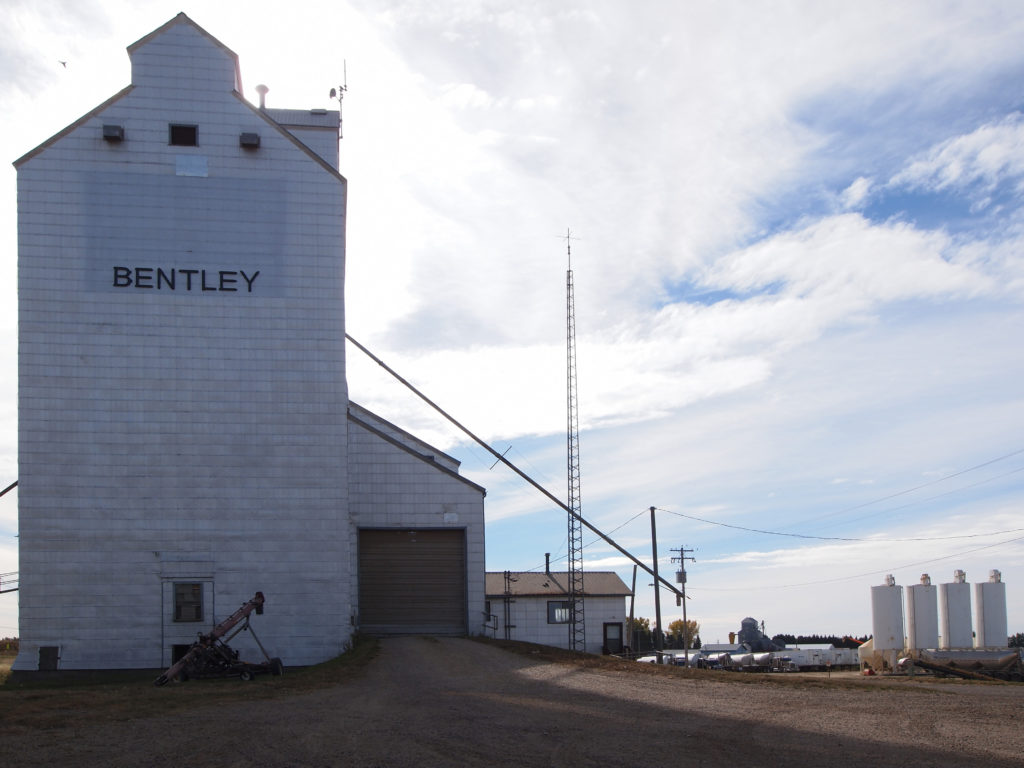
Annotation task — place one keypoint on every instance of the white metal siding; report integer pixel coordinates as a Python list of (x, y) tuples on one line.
[(529, 615), (159, 426)]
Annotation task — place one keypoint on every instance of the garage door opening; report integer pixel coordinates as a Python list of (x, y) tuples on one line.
[(412, 582)]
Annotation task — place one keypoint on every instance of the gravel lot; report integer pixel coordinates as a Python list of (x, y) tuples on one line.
[(455, 702)]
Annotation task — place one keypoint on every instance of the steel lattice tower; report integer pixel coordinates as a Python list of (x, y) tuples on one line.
[(577, 626)]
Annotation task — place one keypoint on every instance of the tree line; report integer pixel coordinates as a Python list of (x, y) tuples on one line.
[(846, 641), (678, 634)]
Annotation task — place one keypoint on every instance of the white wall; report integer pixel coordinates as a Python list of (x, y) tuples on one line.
[(176, 434), (529, 617), (393, 488)]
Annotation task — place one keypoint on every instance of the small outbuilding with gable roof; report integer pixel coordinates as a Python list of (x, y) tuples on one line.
[(533, 607)]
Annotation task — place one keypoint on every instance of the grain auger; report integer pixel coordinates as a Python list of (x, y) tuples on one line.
[(211, 656)]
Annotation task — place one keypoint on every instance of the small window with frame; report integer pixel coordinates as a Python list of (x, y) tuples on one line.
[(182, 135), (188, 601), (558, 612)]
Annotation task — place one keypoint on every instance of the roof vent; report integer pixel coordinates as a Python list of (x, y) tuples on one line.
[(113, 133), (249, 140), (262, 91)]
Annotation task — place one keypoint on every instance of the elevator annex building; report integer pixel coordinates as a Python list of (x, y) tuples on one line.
[(185, 433)]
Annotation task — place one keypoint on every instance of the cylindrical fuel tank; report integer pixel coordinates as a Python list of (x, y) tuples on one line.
[(955, 613), (990, 612), (922, 615), (742, 659), (887, 616), (974, 659)]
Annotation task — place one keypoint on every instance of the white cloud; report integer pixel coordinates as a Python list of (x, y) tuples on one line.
[(680, 143), (856, 194), (988, 155), (848, 264), (465, 96)]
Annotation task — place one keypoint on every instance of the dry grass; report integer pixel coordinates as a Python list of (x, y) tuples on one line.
[(128, 695), (6, 659), (835, 680), (122, 696)]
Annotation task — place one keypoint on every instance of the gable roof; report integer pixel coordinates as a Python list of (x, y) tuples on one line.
[(412, 445), (327, 119), (182, 18), (69, 128), (534, 584)]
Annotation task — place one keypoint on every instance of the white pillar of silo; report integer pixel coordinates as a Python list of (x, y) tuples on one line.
[(887, 616), (990, 612), (922, 615), (955, 613)]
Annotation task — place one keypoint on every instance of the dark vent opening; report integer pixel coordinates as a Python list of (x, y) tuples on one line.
[(113, 133), (184, 135)]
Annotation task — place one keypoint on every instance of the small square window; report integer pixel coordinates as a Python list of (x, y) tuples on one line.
[(184, 135), (558, 612), (188, 602)]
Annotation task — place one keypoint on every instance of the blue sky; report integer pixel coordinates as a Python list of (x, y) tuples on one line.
[(799, 275)]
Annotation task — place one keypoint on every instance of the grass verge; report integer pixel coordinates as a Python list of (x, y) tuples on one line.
[(543, 653), (129, 695)]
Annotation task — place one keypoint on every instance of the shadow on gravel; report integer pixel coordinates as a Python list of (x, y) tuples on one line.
[(556, 721), (454, 702)]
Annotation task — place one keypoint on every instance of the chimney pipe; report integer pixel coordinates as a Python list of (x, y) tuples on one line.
[(262, 91), (547, 563)]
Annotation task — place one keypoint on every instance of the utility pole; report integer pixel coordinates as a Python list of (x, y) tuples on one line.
[(509, 626), (681, 580), (632, 603), (659, 635)]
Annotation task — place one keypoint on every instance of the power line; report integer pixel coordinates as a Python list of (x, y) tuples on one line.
[(837, 538), (887, 511), (558, 502), (937, 496), (748, 587), (917, 487), (595, 541)]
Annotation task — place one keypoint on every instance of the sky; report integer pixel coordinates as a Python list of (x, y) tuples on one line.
[(796, 234)]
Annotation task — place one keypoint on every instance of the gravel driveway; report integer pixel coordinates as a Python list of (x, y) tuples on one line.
[(455, 702)]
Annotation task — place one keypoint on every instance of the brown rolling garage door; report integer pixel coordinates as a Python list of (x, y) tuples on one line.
[(412, 581)]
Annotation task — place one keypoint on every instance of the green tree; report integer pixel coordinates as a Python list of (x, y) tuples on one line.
[(1016, 641), (683, 632), (640, 624)]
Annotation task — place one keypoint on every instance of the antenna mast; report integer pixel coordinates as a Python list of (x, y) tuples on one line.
[(577, 625), (339, 94)]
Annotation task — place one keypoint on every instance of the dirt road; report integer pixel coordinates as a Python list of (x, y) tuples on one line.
[(452, 702)]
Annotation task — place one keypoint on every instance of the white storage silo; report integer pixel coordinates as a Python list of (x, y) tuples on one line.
[(887, 615), (922, 615), (990, 612), (955, 613)]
